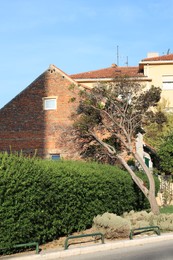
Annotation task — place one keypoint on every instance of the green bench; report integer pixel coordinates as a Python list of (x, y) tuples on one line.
[(83, 235), (137, 231)]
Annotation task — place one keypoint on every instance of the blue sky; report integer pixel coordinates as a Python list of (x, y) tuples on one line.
[(77, 36)]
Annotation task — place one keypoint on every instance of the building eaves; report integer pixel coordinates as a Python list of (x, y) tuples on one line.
[(168, 57), (110, 72)]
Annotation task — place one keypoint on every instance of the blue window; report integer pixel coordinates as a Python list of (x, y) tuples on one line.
[(55, 157)]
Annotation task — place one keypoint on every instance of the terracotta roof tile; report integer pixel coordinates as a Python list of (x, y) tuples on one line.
[(111, 72), (160, 58)]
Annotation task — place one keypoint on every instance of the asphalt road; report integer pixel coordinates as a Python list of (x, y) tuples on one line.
[(154, 251)]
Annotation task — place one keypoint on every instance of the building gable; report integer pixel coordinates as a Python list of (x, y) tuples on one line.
[(26, 125)]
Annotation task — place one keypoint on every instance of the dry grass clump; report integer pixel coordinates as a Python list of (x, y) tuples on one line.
[(165, 222), (143, 219), (139, 219)]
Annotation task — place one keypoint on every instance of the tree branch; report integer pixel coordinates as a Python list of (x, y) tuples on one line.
[(110, 148)]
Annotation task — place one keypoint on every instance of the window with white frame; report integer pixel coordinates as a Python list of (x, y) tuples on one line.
[(167, 82), (50, 103)]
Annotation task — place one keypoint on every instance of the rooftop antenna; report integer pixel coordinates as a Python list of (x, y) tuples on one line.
[(127, 62), (117, 55)]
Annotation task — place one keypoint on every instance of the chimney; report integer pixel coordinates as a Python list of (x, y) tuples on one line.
[(152, 54)]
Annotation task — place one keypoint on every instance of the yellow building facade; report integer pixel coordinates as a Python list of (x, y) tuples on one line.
[(159, 72), (154, 70)]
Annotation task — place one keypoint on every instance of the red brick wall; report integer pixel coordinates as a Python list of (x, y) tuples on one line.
[(26, 126)]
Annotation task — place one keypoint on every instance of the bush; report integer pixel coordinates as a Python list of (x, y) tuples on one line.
[(24, 204), (112, 226), (165, 154), (42, 200)]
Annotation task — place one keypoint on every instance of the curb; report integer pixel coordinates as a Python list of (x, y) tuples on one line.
[(92, 249)]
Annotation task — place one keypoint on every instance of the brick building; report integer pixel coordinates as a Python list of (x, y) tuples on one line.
[(37, 119), (34, 120)]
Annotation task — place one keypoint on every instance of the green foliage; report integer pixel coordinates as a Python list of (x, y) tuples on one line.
[(116, 106), (116, 111), (157, 129), (131, 162), (42, 200), (165, 153)]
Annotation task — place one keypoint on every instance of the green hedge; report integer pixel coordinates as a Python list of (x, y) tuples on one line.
[(42, 200)]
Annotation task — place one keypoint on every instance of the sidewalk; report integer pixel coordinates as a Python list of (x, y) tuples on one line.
[(62, 254)]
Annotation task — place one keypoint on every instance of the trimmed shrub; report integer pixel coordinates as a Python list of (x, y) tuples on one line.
[(24, 204), (112, 226), (42, 200)]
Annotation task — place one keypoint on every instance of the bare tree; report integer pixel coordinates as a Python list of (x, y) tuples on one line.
[(118, 111)]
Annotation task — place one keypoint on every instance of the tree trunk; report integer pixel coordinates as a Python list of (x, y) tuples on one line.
[(149, 193), (153, 204), (135, 178)]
